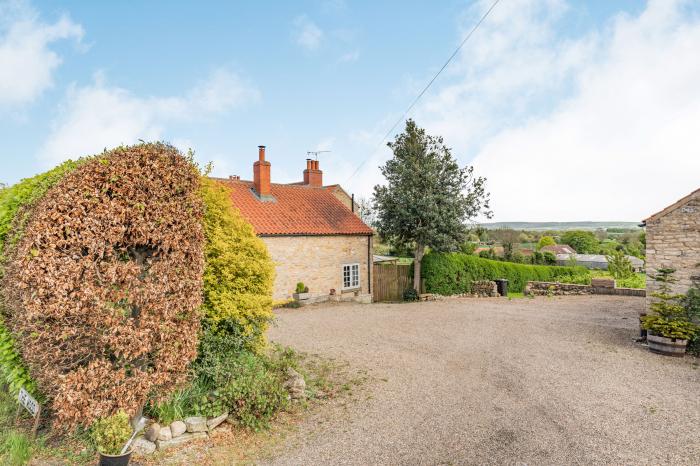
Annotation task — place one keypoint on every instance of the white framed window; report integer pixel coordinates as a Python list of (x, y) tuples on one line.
[(351, 276)]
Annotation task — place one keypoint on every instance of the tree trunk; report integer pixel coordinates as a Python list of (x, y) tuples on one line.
[(417, 259)]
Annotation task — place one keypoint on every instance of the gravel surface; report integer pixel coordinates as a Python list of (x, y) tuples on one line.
[(496, 381)]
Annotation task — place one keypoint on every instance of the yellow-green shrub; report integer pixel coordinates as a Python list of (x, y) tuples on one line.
[(239, 272)]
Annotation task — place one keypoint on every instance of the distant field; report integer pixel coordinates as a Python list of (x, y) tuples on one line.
[(539, 226)]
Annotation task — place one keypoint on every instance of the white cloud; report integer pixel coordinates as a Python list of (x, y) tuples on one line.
[(349, 57), (603, 126), (26, 58), (98, 116), (306, 33)]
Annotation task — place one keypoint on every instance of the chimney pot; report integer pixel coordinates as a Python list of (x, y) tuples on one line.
[(312, 175), (261, 153)]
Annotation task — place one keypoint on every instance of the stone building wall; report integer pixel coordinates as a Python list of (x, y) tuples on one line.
[(318, 262), (673, 240)]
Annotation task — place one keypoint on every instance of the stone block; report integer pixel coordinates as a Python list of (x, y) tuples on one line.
[(143, 447), (196, 424), (177, 428), (182, 439)]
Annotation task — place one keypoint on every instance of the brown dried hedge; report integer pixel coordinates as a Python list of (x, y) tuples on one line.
[(104, 289)]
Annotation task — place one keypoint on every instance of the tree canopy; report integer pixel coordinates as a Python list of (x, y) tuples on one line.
[(583, 242), (427, 199)]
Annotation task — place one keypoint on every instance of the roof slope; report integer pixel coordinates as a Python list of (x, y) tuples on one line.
[(672, 207), (295, 210)]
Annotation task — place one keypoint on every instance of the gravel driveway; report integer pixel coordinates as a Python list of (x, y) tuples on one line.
[(493, 381)]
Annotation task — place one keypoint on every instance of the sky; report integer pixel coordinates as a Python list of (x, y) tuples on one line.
[(585, 110)]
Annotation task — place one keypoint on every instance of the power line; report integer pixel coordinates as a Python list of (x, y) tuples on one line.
[(415, 101)]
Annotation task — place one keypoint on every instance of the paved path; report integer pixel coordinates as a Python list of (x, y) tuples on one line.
[(492, 381)]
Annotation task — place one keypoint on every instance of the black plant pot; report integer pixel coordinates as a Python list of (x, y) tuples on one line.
[(115, 460)]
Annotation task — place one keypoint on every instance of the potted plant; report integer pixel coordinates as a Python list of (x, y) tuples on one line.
[(110, 435), (668, 326), (301, 292)]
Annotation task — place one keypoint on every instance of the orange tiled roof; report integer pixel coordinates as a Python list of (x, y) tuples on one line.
[(295, 210)]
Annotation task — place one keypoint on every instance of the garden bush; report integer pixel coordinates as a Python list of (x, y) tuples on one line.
[(453, 273), (103, 287), (238, 275)]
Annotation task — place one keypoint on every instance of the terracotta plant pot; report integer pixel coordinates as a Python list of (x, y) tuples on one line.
[(667, 346), (115, 460)]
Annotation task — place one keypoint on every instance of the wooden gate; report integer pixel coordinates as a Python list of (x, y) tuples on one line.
[(390, 281)]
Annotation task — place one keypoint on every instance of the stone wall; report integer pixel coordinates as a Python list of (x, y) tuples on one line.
[(318, 262), (556, 289), (673, 240), (567, 289), (484, 288)]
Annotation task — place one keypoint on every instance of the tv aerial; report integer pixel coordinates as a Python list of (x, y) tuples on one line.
[(315, 153)]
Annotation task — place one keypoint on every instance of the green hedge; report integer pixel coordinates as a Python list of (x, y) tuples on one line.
[(453, 273)]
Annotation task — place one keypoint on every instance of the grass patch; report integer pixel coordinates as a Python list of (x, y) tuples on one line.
[(516, 295)]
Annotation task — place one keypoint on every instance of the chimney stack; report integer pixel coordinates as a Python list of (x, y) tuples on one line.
[(261, 174), (312, 175)]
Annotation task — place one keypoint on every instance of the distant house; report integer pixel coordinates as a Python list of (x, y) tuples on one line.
[(558, 249), (596, 261), (310, 231), (673, 240)]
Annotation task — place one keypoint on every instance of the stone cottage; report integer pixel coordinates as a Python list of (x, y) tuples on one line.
[(673, 240), (310, 230)]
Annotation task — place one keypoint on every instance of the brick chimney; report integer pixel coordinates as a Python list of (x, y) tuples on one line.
[(261, 174), (312, 175)]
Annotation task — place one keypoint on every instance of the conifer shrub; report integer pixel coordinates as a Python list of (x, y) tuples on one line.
[(103, 287), (453, 273), (238, 276)]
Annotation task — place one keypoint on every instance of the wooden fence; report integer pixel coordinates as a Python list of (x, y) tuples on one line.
[(390, 281)]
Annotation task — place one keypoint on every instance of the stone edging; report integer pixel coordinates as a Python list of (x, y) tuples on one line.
[(566, 289)]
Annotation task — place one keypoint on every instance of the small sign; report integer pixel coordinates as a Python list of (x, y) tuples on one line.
[(30, 404), (26, 400)]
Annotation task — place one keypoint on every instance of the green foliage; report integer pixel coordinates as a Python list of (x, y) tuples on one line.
[(488, 254), (669, 317), (467, 247), (15, 448), (549, 258), (239, 272), (251, 391), (111, 433), (16, 203), (301, 288), (180, 404), (583, 242), (410, 295), (619, 265), (428, 198), (453, 273), (545, 241)]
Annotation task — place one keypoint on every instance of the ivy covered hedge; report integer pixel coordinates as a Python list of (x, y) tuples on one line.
[(453, 273), (16, 204)]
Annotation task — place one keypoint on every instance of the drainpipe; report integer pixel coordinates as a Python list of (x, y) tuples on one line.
[(369, 264)]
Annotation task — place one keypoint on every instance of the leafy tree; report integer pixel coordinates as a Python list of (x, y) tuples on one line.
[(545, 241), (619, 265), (428, 198), (583, 242)]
